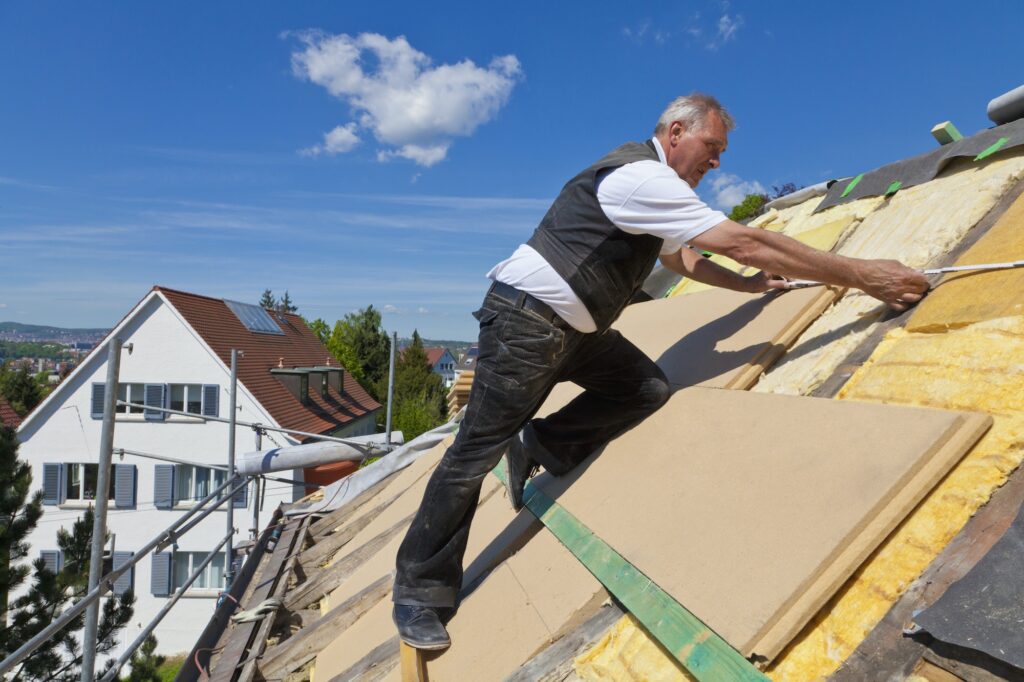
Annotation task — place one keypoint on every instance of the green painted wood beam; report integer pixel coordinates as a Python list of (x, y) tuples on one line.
[(704, 654)]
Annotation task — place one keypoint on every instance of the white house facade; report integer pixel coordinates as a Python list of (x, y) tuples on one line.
[(179, 345)]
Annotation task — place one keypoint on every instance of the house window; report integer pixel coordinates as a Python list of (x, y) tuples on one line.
[(211, 578), (80, 482), (187, 398), (130, 393), (195, 483)]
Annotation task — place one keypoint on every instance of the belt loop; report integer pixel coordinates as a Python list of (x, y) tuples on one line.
[(521, 299)]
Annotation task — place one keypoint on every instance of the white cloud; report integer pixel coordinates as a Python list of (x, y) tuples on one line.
[(3, 305), (395, 92), (391, 309), (729, 190), (337, 141), (422, 311), (728, 25)]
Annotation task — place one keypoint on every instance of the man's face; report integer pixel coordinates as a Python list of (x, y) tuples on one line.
[(691, 154)]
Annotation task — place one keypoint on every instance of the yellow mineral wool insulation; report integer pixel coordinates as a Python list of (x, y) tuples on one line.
[(918, 226), (628, 654), (963, 298), (690, 286), (776, 219), (978, 367), (925, 221)]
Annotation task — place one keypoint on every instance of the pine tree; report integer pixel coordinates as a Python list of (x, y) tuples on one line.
[(268, 300), (419, 399), (21, 388), (285, 305), (18, 516), (145, 662), (321, 329), (52, 593)]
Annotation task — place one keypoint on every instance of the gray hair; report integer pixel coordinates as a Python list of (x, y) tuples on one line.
[(692, 111)]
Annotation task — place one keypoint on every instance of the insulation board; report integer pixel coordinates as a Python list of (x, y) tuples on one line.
[(755, 523)]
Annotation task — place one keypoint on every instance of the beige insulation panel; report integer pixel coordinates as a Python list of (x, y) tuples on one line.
[(534, 597), (718, 337), (755, 522), (917, 226), (496, 529), (964, 298)]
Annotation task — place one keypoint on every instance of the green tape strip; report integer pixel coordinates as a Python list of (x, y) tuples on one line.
[(893, 188), (993, 149), (853, 183), (697, 647)]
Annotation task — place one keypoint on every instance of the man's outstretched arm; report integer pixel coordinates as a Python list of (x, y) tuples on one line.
[(692, 264), (889, 281)]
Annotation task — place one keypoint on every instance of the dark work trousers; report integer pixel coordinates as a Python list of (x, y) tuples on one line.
[(522, 356)]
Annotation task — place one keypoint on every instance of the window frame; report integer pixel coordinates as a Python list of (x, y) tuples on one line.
[(81, 501), (194, 559), (186, 499)]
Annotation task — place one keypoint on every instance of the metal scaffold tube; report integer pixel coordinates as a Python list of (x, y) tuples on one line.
[(99, 525), (229, 573)]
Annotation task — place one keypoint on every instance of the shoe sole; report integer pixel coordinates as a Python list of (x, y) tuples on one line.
[(426, 647), (508, 487)]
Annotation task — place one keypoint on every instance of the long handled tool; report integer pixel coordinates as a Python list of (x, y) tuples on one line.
[(804, 283)]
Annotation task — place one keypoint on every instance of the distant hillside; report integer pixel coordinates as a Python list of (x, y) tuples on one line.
[(456, 348), (16, 331)]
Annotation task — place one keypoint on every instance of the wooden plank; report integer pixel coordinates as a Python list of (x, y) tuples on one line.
[(327, 545), (324, 581), (223, 669), (265, 624), (699, 649), (304, 646), (414, 669)]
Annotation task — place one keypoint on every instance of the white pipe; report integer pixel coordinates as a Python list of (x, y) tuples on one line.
[(308, 455), (1009, 106)]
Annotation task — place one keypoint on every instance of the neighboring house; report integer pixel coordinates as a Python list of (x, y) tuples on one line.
[(467, 363), (180, 359), (442, 363), (8, 417)]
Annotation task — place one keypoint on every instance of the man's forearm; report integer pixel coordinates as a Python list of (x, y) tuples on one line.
[(692, 264)]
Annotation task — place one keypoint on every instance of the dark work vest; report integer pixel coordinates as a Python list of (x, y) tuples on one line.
[(603, 265)]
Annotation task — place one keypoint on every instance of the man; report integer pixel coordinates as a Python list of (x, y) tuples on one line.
[(547, 319)]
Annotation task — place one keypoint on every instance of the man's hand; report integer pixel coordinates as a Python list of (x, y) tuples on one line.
[(893, 283), (762, 281)]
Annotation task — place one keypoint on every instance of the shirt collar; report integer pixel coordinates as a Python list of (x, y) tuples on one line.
[(657, 148)]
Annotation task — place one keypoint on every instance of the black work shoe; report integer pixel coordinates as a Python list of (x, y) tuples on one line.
[(519, 468), (420, 627)]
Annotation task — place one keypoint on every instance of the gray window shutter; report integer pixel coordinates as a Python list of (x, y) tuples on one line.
[(51, 483), (53, 558), (96, 404), (154, 397), (127, 579), (163, 486), (241, 497), (160, 576), (211, 400), (124, 486)]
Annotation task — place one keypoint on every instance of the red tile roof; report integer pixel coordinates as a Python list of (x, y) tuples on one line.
[(434, 354), (8, 416), (299, 347)]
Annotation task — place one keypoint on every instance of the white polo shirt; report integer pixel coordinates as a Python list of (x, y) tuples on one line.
[(643, 197)]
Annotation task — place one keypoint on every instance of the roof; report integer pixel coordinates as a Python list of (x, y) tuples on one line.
[(434, 355), (297, 347), (8, 416), (956, 351)]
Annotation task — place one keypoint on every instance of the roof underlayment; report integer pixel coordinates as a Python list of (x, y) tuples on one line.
[(962, 349)]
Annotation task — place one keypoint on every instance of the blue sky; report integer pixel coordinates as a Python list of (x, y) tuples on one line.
[(390, 153)]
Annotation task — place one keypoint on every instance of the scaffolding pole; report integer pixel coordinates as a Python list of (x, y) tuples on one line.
[(229, 574), (99, 521)]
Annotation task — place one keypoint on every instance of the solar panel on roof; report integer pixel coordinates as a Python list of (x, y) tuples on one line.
[(255, 318)]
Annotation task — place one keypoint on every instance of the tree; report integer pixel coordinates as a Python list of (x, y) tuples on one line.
[(322, 330), (60, 657), (361, 345), (21, 387), (748, 209), (285, 305), (267, 300), (419, 400), (145, 662), (18, 516)]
